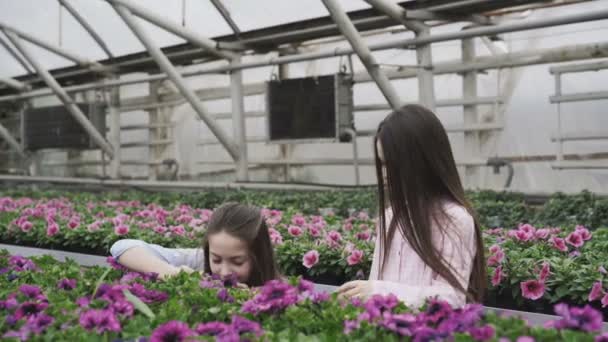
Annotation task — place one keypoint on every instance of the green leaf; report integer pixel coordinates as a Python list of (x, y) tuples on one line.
[(138, 304), (100, 281)]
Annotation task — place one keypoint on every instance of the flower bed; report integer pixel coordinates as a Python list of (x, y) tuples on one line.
[(326, 249), (42, 299)]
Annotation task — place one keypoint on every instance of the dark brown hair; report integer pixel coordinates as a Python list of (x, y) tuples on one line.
[(246, 223), (421, 174)]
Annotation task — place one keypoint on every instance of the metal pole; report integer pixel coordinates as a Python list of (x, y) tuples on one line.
[(165, 65), (353, 135), (114, 115), (426, 84), (426, 88), (193, 37), (560, 143), (350, 32), (563, 54), (13, 83), (227, 17), (62, 95), (397, 13), (50, 47), (238, 122), (6, 135), (15, 55), (86, 26), (469, 91)]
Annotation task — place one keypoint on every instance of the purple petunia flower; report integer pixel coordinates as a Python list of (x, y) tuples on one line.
[(39, 323), (148, 296), (274, 296), (212, 328), (402, 324), (244, 326), (100, 320), (20, 264), (32, 292), (224, 296), (173, 331), (123, 308), (30, 309), (585, 319), (67, 284), (484, 333)]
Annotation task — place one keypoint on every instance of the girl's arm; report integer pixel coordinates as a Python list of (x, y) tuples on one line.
[(457, 246), (140, 256)]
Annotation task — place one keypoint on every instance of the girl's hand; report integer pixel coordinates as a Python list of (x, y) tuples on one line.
[(361, 289), (241, 286)]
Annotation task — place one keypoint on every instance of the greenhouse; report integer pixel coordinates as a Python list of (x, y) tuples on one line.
[(311, 170)]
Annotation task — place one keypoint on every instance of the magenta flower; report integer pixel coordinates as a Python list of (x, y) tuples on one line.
[(496, 258), (10, 303), (244, 326), (575, 239), (484, 333), (363, 216), (123, 308), (525, 339), (274, 296), (584, 233), (559, 244), (74, 223), (67, 284), (605, 301), (602, 338), (298, 220), (347, 226), (355, 257), (121, 229), (224, 296), (350, 326), (52, 229), (32, 292), (402, 324), (497, 276), (26, 226), (528, 228), (310, 259), (542, 233), (597, 291), (294, 231), (334, 237), (212, 328), (544, 272), (160, 229), (178, 230), (38, 323), (83, 302), (173, 331), (29, 309), (532, 289), (100, 321), (314, 231), (363, 236), (148, 296), (523, 236), (585, 319)]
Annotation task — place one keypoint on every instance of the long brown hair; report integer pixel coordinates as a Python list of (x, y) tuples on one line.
[(246, 223), (420, 174)]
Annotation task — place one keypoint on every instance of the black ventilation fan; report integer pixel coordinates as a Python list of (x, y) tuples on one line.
[(54, 127), (309, 109)]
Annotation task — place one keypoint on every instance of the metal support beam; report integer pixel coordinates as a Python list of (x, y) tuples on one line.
[(226, 15), (469, 90), (193, 37), (360, 48), (542, 56), (67, 101), (397, 13), (114, 116), (86, 26), (238, 121), (15, 55), (50, 47), (595, 66), (424, 57), (426, 84), (165, 65), (13, 83), (6, 135)]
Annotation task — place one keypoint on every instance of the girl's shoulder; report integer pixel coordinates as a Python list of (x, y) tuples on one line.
[(459, 217)]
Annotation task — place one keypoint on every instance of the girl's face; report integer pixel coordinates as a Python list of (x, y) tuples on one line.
[(229, 255)]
